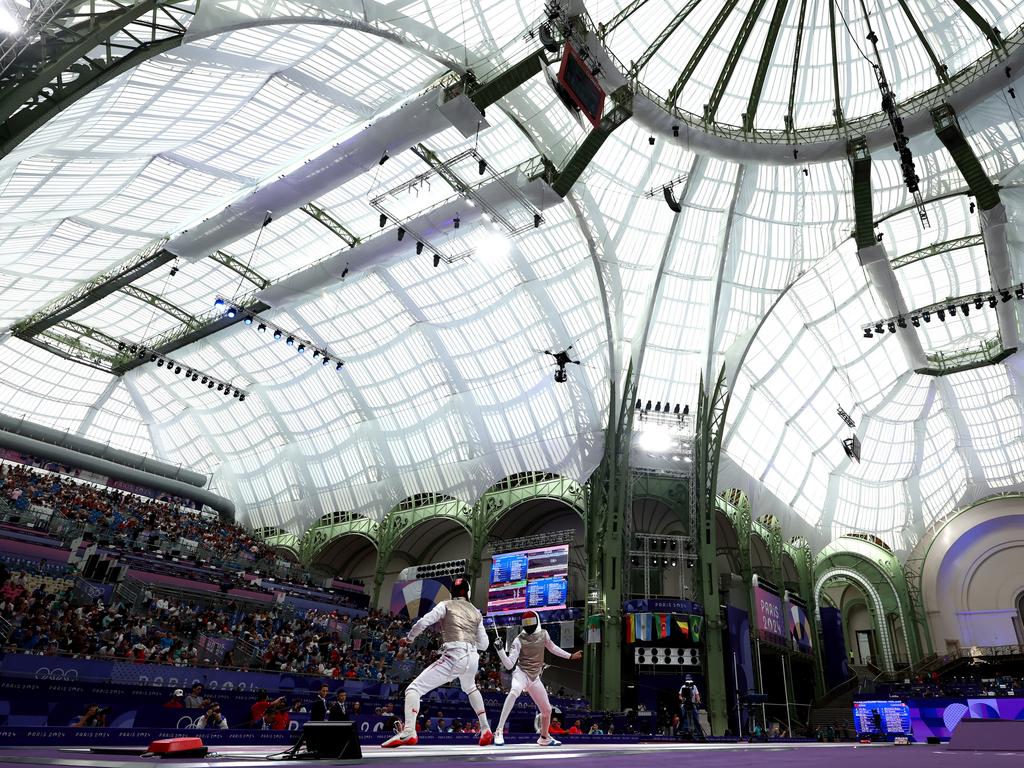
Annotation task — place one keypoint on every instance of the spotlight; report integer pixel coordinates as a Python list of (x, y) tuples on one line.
[(1004, 295), (1020, 291), (383, 221), (241, 398), (972, 206), (277, 335), (188, 374), (878, 327), (247, 320), (209, 385), (927, 316), (236, 393), (262, 327), (941, 314), (456, 221), (401, 233), (537, 220), (338, 366), (316, 353), (481, 166), (302, 349), (204, 380), (916, 321), (901, 322), (951, 309), (650, 140), (290, 341), (966, 308), (195, 377), (232, 312), (978, 303), (177, 370), (437, 259), (384, 158), (675, 131), (174, 271), (120, 346), (891, 326), (992, 301), (419, 247), (326, 360), (218, 302), (686, 410), (160, 363), (639, 405), (220, 386), (648, 406)]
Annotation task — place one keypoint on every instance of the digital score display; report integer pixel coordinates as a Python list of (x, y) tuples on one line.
[(533, 578), (580, 84), (893, 717)]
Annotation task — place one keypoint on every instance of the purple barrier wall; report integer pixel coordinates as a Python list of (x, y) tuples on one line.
[(147, 577), (33, 551), (940, 717)]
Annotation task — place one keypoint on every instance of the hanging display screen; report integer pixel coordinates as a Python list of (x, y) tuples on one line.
[(532, 578)]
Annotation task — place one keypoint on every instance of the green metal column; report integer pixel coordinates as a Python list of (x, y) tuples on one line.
[(388, 534), (711, 412)]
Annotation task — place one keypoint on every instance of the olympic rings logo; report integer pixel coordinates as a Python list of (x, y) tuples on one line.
[(45, 673)]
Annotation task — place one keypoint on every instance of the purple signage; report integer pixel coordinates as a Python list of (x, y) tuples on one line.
[(768, 614), (799, 626), (939, 717)]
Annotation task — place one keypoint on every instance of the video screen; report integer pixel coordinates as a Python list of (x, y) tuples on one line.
[(535, 579), (892, 717)]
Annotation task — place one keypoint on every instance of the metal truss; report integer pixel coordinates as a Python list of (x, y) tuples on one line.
[(76, 49), (970, 241), (242, 270), (160, 303), (318, 213)]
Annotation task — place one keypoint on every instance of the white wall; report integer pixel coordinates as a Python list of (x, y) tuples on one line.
[(987, 628)]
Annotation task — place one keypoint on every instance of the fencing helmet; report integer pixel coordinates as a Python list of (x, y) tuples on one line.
[(460, 587), (531, 622)]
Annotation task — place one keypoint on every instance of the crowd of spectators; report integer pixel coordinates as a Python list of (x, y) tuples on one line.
[(135, 518), (936, 686), (46, 620)]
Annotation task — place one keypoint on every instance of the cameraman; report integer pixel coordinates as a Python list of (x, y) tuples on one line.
[(95, 716), (213, 719)]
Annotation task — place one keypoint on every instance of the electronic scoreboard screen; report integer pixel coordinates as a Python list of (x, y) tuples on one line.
[(894, 717), (532, 578)]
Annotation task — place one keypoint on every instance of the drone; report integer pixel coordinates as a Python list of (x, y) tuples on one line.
[(561, 360)]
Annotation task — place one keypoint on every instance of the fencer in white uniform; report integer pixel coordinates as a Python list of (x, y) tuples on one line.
[(526, 660), (463, 635)]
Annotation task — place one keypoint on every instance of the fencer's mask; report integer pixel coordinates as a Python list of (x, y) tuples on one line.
[(531, 622), (460, 587)]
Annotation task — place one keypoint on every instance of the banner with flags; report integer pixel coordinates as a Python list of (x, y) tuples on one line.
[(631, 627), (645, 627), (684, 625), (593, 629), (664, 626), (696, 625)]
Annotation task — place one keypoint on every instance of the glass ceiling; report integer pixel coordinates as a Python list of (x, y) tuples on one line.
[(446, 387)]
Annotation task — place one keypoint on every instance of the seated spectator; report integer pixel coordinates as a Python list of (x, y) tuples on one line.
[(442, 726), (278, 716), (556, 726), (212, 718), (94, 716), (298, 707), (195, 698), (595, 730), (577, 728), (261, 705), (177, 700)]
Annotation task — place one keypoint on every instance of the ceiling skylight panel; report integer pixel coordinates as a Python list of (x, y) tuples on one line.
[(291, 242), (815, 94), (711, 67), (278, 44), (887, 453), (350, 326), (774, 103), (946, 275), (735, 99)]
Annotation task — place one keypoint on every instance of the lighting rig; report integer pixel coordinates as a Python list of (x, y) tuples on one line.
[(902, 144), (940, 309), (291, 339), (661, 412), (176, 368)]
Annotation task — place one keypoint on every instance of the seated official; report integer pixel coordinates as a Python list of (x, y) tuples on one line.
[(213, 719)]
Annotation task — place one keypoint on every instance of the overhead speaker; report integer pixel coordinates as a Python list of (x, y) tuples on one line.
[(330, 741)]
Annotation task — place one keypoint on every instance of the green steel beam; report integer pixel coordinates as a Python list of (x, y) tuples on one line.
[(487, 93), (581, 158), (753, 13), (762, 65), (78, 58), (948, 130), (240, 269), (970, 241), (140, 263), (838, 105), (160, 303), (603, 30), (664, 35), (69, 349), (796, 66), (698, 53), (941, 70), (84, 331), (316, 212), (979, 21), (862, 204)]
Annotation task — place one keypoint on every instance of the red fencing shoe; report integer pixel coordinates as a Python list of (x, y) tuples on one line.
[(401, 740), (486, 738)]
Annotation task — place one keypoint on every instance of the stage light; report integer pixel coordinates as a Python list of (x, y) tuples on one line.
[(951, 309), (160, 363), (326, 360), (232, 312), (916, 321), (650, 140), (290, 341), (383, 221), (219, 302), (236, 393), (537, 220), (8, 22), (686, 410), (675, 411), (966, 308), (657, 407), (879, 327), (195, 377), (1005, 295), (639, 405), (174, 271), (941, 314), (868, 334), (220, 386), (241, 398), (277, 335), (481, 166), (655, 440), (177, 370), (456, 221), (901, 322), (437, 260), (302, 349), (262, 328), (1020, 291), (978, 303), (992, 301), (927, 316), (401, 234), (419, 247), (338, 366), (247, 320), (648, 406), (209, 385), (316, 353), (675, 131), (204, 380), (494, 245), (384, 158)]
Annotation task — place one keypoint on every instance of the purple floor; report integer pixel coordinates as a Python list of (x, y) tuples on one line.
[(610, 756)]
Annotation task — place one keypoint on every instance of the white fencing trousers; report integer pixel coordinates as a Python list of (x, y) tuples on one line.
[(456, 661), (521, 682)]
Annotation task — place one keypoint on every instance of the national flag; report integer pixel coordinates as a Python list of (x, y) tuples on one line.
[(593, 629), (645, 627), (696, 624), (684, 626), (664, 628), (630, 627)]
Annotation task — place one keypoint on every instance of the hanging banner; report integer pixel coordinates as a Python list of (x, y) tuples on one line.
[(768, 615), (798, 625), (414, 599), (696, 625)]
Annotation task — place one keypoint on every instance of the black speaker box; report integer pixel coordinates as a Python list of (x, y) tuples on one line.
[(331, 741)]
